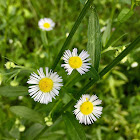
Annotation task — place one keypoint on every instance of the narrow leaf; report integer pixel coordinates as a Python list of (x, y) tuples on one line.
[(10, 91), (94, 39), (33, 131), (27, 113), (74, 129), (106, 34), (125, 14)]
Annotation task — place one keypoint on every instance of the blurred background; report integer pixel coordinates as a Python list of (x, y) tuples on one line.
[(23, 43)]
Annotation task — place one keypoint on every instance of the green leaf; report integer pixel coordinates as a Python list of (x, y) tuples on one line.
[(27, 113), (74, 129), (33, 131), (120, 74), (14, 132), (125, 14), (94, 39), (10, 91), (106, 34)]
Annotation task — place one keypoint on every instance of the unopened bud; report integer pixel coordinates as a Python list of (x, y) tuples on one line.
[(9, 65), (14, 83), (48, 121), (21, 128)]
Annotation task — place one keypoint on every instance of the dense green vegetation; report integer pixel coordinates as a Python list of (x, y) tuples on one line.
[(107, 29)]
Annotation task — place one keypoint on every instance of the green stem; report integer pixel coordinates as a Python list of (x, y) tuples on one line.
[(72, 32), (120, 56)]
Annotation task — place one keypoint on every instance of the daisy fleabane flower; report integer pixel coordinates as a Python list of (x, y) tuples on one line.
[(46, 24), (44, 87), (75, 61), (87, 110)]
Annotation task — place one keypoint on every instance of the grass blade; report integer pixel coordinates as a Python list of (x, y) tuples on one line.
[(124, 15)]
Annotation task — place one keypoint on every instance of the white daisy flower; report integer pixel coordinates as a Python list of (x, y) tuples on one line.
[(46, 24), (87, 110), (73, 61), (44, 87)]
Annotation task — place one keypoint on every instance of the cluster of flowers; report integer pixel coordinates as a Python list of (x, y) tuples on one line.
[(46, 86)]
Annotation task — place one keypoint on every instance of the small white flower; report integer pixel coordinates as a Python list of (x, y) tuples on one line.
[(87, 110), (46, 24), (73, 61), (134, 64), (45, 87)]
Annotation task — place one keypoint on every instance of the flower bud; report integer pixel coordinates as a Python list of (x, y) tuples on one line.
[(14, 83)]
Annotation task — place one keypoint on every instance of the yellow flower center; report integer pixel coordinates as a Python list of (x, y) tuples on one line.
[(47, 25), (86, 108), (46, 84), (75, 62)]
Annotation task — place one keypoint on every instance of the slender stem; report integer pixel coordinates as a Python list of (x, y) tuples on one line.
[(111, 65), (120, 56), (72, 32)]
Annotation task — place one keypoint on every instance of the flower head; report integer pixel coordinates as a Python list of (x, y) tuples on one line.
[(87, 110), (46, 24), (45, 87), (73, 61)]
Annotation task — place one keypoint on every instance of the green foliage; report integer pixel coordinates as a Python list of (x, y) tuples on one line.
[(124, 15), (106, 27), (10, 91), (27, 113)]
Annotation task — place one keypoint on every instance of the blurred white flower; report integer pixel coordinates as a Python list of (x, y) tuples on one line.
[(21, 128), (87, 110), (42, 55), (134, 64), (46, 24), (45, 87), (67, 34), (20, 97), (10, 41), (73, 61), (103, 29), (0, 78)]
